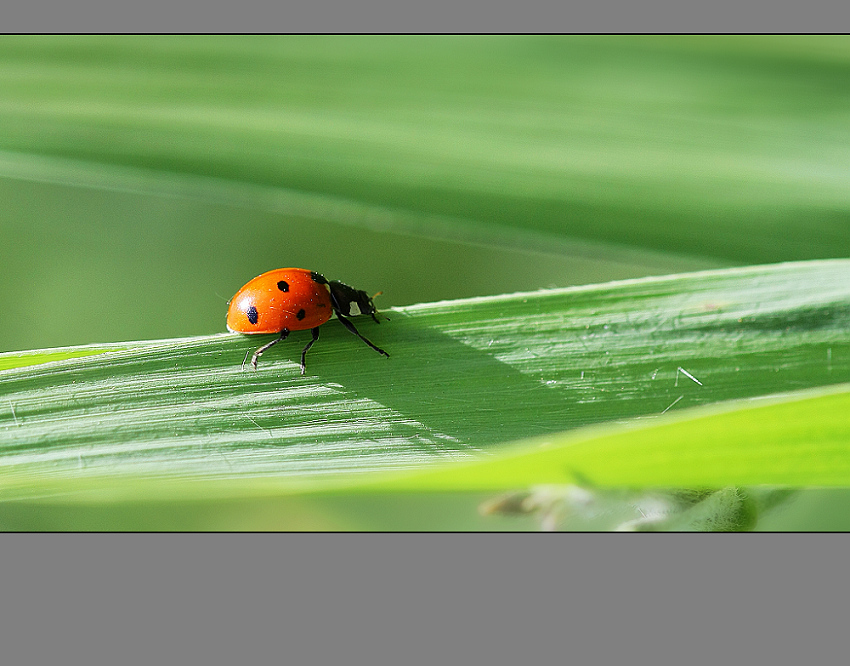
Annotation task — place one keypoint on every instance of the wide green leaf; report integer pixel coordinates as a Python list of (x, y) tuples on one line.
[(464, 377)]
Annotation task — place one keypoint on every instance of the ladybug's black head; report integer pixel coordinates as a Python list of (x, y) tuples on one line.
[(350, 302)]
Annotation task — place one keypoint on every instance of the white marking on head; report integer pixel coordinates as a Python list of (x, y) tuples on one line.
[(353, 309)]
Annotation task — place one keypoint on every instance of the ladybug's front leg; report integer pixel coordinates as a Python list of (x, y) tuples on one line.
[(350, 327), (260, 351)]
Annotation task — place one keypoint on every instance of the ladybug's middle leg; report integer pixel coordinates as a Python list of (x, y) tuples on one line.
[(315, 332)]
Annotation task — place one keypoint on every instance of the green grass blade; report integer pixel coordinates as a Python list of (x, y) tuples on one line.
[(800, 440), (464, 377)]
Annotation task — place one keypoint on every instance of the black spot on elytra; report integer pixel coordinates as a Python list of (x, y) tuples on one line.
[(252, 315), (300, 314), (318, 277), (283, 285)]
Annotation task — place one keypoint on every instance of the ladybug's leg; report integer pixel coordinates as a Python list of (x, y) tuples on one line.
[(260, 351), (315, 332), (350, 327)]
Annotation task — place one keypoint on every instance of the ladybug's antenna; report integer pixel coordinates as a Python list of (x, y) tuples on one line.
[(376, 309)]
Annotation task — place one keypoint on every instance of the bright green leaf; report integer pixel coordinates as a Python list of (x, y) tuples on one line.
[(800, 440), (24, 359)]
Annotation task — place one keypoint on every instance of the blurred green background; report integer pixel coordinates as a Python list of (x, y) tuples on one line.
[(144, 179)]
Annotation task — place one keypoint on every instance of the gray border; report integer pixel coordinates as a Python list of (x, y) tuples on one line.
[(376, 16), (422, 599)]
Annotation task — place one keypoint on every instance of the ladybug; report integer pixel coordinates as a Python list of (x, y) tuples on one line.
[(294, 299)]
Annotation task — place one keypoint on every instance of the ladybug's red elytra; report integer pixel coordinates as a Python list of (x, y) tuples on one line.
[(295, 299)]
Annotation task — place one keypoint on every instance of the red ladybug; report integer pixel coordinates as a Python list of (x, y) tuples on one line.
[(294, 299)]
